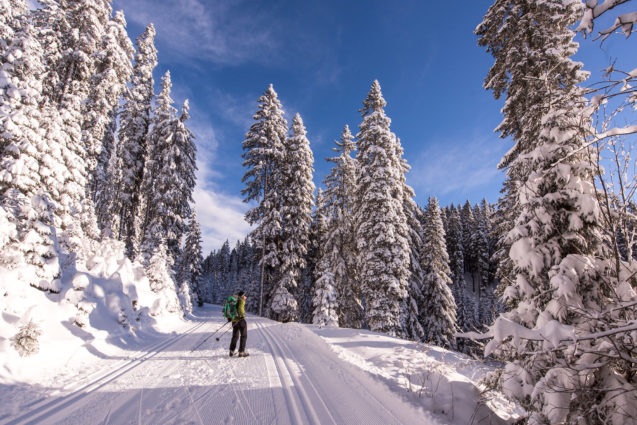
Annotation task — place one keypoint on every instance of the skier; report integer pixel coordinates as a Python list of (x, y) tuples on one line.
[(239, 325)]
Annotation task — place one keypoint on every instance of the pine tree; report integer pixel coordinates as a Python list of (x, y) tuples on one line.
[(554, 235), (480, 247), (161, 279), (169, 177), (297, 201), (527, 77), (111, 74), (383, 259), (25, 201), (106, 178), (190, 268), (438, 310), (133, 131), (412, 327), (325, 295), (456, 265), (339, 241), (263, 154)]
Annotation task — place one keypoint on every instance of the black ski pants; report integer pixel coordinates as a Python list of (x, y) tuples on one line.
[(241, 327)]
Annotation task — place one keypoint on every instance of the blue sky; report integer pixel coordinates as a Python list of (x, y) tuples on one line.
[(321, 58)]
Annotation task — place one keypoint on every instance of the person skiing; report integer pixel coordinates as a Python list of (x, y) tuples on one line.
[(239, 326)]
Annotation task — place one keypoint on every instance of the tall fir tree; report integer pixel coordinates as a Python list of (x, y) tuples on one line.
[(554, 236), (263, 155), (189, 270), (133, 131), (324, 291), (111, 74), (438, 310), (381, 223), (25, 161), (412, 327), (339, 243), (297, 199), (169, 177)]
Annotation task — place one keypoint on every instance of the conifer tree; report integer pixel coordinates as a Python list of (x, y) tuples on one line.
[(339, 243), (456, 266), (263, 154), (324, 294), (133, 131), (554, 236), (438, 310), (26, 204), (412, 327), (190, 267), (297, 199), (480, 247), (383, 249), (111, 74), (169, 177)]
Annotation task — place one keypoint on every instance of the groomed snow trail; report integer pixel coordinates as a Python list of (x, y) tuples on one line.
[(291, 377)]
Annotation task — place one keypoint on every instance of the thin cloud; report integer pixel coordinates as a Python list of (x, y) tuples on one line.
[(222, 32), (449, 168), (221, 217)]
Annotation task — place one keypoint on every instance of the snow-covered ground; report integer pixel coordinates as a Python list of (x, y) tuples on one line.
[(296, 374)]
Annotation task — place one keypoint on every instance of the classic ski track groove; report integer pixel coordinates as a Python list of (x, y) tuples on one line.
[(282, 363), (104, 378), (286, 355)]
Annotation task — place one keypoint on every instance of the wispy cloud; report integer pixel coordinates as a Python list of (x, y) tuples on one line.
[(456, 169), (220, 217), (221, 32)]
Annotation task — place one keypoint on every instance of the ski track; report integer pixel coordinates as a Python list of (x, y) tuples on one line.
[(290, 377), (96, 380)]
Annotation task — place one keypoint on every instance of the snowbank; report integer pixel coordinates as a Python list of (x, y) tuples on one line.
[(443, 382), (94, 307)]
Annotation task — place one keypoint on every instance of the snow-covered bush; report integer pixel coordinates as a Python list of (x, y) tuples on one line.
[(284, 306), (26, 340)]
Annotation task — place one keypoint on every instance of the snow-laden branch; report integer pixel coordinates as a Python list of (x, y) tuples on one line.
[(625, 22), (594, 11), (553, 332)]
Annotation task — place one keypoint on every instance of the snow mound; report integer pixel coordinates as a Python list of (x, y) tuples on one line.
[(105, 300), (443, 382)]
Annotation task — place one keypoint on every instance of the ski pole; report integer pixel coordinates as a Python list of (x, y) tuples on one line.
[(215, 332), (225, 332)]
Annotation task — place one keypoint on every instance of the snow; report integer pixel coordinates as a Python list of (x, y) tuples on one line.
[(295, 374)]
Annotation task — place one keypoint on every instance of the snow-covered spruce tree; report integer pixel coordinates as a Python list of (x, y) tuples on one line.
[(383, 249), (297, 197), (438, 309), (24, 200), (480, 247), (161, 280), (520, 35), (468, 228), (106, 178), (464, 306), (324, 290), (568, 360), (149, 229), (325, 297), (189, 266), (169, 177), (133, 131), (111, 74), (80, 37), (339, 243), (412, 327), (263, 155)]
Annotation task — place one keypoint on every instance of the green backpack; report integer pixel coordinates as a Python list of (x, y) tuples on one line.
[(230, 308)]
